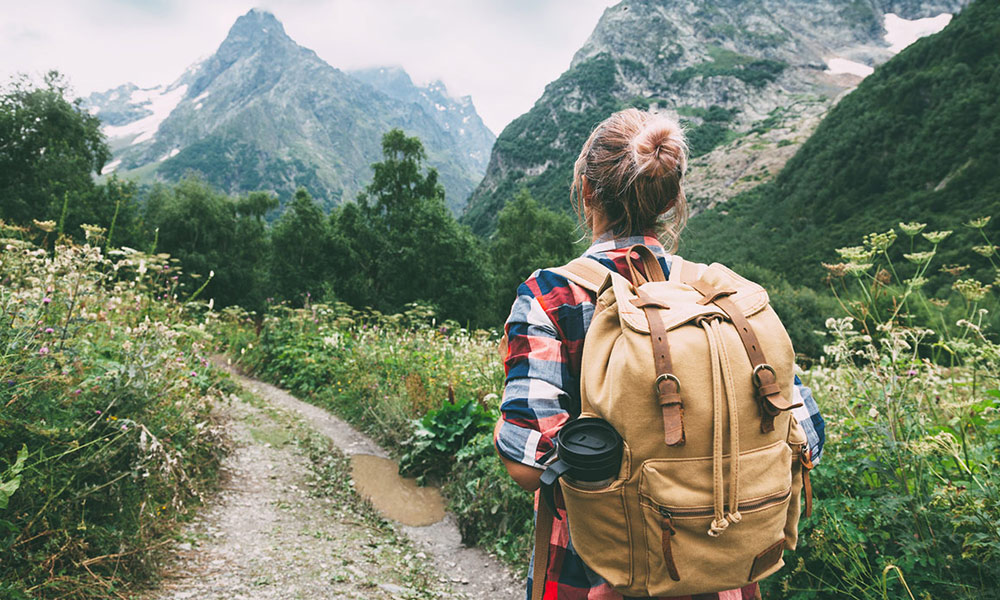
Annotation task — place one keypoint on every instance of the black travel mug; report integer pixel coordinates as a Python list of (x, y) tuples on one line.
[(588, 453)]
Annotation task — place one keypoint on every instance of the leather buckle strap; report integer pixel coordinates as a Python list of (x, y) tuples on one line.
[(769, 396), (807, 466), (667, 386)]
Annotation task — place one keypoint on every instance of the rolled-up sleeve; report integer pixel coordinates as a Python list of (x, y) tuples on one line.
[(537, 377)]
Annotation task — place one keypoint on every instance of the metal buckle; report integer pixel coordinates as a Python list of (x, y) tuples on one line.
[(757, 370), (663, 377)]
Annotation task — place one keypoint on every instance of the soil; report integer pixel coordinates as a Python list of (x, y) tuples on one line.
[(288, 521)]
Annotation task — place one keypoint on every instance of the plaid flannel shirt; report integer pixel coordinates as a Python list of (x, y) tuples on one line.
[(545, 334)]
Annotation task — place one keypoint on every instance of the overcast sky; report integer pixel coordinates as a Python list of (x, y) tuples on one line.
[(501, 52)]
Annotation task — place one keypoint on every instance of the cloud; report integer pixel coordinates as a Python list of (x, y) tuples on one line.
[(501, 53)]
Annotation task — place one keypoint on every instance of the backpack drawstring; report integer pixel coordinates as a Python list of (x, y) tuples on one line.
[(722, 384)]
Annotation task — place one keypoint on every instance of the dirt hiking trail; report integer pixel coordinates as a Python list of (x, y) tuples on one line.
[(288, 522)]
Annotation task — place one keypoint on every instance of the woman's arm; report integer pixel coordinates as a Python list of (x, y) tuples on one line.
[(537, 367), (525, 476)]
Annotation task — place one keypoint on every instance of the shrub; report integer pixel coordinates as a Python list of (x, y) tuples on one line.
[(107, 436)]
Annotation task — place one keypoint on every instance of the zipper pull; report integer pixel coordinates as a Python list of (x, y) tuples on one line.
[(668, 534)]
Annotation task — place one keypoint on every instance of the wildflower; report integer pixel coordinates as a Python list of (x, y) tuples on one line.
[(46, 300), (836, 270), (880, 242), (971, 289), (92, 231), (194, 373), (912, 228), (954, 270), (919, 258), (936, 237), (49, 330), (97, 412), (978, 223), (917, 282), (857, 269), (856, 254), (873, 412), (43, 350), (985, 250), (911, 372), (46, 226), (77, 392)]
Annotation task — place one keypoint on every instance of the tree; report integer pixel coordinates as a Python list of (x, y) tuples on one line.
[(402, 238), (204, 229), (528, 237), (300, 250), (50, 148)]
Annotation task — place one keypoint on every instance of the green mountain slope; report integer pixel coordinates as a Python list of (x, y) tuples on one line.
[(733, 70), (918, 140)]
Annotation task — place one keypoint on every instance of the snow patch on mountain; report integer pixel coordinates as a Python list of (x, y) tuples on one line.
[(838, 66), (158, 100), (900, 32), (111, 166)]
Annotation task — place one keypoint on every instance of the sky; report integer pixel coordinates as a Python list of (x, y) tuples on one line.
[(500, 52)]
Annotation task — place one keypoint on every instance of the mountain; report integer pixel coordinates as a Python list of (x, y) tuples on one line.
[(749, 78), (266, 113), (917, 140)]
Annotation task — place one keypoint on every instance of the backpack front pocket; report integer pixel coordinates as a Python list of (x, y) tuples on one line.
[(682, 556)]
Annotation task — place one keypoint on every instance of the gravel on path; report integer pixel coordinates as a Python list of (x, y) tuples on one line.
[(287, 523)]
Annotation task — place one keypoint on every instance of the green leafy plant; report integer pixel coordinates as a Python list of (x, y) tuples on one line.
[(440, 434)]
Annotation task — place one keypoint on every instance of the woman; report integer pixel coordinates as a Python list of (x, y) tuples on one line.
[(627, 188)]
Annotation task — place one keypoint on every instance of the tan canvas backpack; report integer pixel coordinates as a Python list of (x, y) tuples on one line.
[(696, 375)]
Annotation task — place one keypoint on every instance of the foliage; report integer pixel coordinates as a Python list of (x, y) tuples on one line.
[(582, 97), (300, 253), (528, 237), (215, 237), (440, 434), (50, 150), (106, 434), (910, 480), (401, 227), (710, 132), (493, 512)]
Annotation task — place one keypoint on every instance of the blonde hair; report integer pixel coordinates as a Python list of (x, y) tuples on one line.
[(634, 161)]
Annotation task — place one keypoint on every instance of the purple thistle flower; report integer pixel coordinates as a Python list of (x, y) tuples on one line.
[(46, 300), (49, 330)]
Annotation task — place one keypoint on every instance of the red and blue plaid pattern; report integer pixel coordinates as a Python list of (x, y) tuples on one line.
[(545, 334)]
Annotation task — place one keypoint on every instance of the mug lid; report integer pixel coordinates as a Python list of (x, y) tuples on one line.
[(590, 439)]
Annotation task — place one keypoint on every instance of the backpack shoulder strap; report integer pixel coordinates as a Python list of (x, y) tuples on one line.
[(585, 272)]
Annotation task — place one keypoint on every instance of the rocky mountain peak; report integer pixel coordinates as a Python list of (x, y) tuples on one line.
[(255, 31), (257, 24)]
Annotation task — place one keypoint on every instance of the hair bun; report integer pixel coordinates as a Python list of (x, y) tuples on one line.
[(659, 148)]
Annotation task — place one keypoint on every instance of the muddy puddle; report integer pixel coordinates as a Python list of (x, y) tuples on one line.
[(397, 498)]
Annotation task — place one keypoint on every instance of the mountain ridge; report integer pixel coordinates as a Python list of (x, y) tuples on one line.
[(263, 112), (730, 70)]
